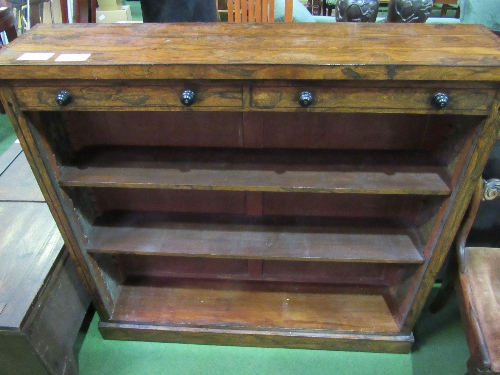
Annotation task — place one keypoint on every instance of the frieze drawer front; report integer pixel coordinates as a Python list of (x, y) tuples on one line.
[(138, 97), (276, 185), (368, 99)]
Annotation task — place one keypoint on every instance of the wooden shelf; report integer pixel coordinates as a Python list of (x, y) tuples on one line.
[(253, 238), (271, 170), (254, 305)]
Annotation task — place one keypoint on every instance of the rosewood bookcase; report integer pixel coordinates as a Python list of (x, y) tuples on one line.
[(283, 185)]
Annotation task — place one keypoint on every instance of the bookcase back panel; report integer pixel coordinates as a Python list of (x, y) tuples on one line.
[(343, 131), (196, 129), (406, 208), (164, 200), (137, 267)]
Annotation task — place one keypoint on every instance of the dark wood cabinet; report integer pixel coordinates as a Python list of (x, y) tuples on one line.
[(275, 185), (42, 298)]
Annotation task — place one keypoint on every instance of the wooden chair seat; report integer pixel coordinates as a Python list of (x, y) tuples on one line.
[(479, 285), (478, 290)]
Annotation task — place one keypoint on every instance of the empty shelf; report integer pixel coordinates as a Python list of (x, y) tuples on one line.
[(267, 170), (237, 237), (254, 305)]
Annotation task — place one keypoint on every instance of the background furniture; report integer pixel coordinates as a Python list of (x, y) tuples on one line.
[(314, 7), (273, 196), (327, 9), (447, 5), (256, 10), (179, 11), (484, 12), (478, 258), (478, 291), (8, 23), (42, 299)]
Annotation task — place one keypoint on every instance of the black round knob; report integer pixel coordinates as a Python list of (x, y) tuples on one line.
[(305, 99), (440, 100), (63, 98), (187, 98)]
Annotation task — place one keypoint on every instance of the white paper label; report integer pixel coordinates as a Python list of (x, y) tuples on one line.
[(101, 17), (36, 56), (73, 57)]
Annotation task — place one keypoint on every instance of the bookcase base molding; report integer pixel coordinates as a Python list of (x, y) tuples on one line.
[(267, 338)]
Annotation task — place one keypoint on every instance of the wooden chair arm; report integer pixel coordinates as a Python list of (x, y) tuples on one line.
[(485, 190), (491, 189)]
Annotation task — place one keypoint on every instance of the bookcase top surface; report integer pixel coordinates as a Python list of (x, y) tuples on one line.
[(344, 51)]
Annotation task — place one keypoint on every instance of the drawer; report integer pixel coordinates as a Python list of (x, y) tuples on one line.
[(369, 99), (129, 97)]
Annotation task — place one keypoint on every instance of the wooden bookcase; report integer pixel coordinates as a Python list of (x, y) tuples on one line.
[(306, 198)]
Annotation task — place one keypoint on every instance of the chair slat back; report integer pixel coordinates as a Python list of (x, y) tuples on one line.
[(256, 10)]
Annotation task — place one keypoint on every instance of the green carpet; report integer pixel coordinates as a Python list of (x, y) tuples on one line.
[(7, 135), (135, 9)]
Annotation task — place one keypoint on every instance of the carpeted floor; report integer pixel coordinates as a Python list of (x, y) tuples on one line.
[(440, 349), (7, 135)]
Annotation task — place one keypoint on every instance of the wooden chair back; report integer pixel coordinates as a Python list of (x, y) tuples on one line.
[(256, 10), (477, 291), (448, 4)]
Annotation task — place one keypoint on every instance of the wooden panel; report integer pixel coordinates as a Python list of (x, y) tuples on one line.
[(369, 99), (235, 237), (254, 170), (209, 129), (17, 356), (346, 131), (130, 97), (228, 50), (252, 305), (341, 273), (42, 299), (134, 266), (391, 343), (137, 266), (161, 200), (53, 326), (346, 205), (39, 247)]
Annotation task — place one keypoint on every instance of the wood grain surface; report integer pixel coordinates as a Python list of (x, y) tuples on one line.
[(222, 51), (259, 170), (239, 305), (235, 237), (39, 248)]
